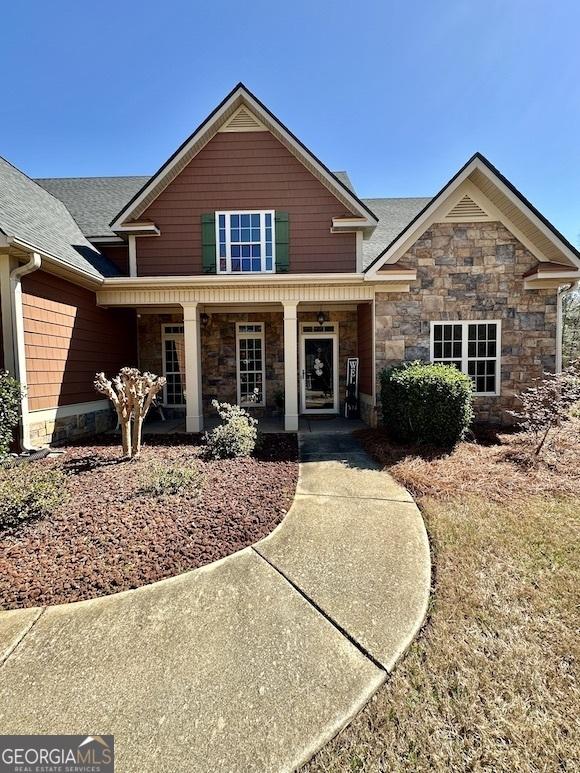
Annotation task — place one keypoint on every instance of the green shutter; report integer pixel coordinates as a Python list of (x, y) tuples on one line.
[(208, 250), (282, 241)]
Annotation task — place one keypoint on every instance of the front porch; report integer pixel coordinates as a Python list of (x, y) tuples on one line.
[(286, 363)]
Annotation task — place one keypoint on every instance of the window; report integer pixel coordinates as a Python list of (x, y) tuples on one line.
[(245, 242), (251, 371), (173, 364), (473, 347)]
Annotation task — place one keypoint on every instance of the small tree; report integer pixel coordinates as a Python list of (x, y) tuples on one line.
[(547, 406), (10, 400), (132, 394)]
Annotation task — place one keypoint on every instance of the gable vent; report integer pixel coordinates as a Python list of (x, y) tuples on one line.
[(466, 209), (242, 121)]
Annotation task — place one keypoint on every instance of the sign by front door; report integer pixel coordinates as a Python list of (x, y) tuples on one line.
[(351, 397)]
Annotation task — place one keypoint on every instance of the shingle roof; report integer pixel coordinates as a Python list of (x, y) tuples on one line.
[(394, 215), (31, 214), (94, 201), (345, 180)]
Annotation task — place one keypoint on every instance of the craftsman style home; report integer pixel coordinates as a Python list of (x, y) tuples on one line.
[(245, 270)]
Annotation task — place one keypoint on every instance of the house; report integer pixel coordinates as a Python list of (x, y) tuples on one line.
[(245, 270)]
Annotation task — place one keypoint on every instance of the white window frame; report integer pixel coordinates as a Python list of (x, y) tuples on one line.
[(465, 359), (262, 213), (165, 336), (257, 335)]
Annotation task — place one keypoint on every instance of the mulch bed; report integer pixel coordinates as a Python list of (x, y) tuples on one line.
[(109, 537)]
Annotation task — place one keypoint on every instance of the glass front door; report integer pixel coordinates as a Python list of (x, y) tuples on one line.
[(318, 374)]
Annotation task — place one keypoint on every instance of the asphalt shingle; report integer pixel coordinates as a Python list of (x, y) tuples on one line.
[(94, 201), (31, 214), (394, 215)]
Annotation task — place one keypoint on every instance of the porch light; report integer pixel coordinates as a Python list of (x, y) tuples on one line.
[(204, 319), (321, 318)]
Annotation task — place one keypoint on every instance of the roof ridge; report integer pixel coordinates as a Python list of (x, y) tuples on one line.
[(90, 177)]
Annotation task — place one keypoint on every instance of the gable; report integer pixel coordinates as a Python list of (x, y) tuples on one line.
[(245, 171), (478, 192), (236, 113)]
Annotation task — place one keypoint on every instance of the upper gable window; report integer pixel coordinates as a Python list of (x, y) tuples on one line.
[(246, 242)]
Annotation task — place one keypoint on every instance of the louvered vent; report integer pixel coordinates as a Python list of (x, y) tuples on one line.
[(242, 121), (467, 209)]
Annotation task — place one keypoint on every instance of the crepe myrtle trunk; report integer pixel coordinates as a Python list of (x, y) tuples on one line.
[(132, 394)]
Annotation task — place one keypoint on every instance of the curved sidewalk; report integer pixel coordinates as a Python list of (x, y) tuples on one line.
[(251, 663)]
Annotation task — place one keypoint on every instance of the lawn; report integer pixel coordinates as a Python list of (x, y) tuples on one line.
[(491, 683), (124, 523)]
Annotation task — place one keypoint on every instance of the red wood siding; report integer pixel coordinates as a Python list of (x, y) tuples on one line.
[(365, 347), (117, 254), (246, 170), (68, 338)]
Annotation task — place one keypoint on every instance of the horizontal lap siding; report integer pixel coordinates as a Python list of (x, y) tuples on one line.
[(68, 338), (247, 170), (365, 347)]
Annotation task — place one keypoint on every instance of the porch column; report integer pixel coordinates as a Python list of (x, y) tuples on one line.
[(192, 345), (290, 366)]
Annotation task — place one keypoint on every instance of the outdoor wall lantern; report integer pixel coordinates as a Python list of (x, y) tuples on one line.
[(204, 319), (321, 318)]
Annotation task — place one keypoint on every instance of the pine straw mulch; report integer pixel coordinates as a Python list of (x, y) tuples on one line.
[(110, 536), (491, 682), (495, 466)]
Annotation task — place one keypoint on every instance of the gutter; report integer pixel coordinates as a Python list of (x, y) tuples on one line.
[(94, 281), (16, 275)]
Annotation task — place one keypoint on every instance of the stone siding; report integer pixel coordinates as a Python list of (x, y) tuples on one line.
[(471, 271), (64, 429), (218, 347)]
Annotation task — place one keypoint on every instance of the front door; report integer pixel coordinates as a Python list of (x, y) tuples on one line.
[(318, 373)]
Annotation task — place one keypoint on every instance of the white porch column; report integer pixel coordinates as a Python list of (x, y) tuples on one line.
[(290, 366), (192, 345)]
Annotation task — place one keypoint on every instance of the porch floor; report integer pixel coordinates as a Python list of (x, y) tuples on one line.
[(314, 424)]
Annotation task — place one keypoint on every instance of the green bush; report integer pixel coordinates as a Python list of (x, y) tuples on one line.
[(426, 403), (235, 437), (29, 490), (159, 479), (10, 397)]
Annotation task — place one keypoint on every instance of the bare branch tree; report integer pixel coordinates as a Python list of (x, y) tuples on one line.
[(547, 406), (132, 394)]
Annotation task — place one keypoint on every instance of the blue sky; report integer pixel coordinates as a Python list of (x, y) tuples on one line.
[(398, 93)]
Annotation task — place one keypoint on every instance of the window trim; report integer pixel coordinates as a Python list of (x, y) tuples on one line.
[(165, 336), (262, 213), (239, 336), (465, 359)]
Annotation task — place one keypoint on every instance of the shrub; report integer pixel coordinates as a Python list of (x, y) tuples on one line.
[(159, 479), (426, 403), (29, 490), (548, 405), (235, 437), (10, 397)]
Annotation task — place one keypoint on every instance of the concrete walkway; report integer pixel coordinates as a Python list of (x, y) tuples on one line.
[(251, 663)]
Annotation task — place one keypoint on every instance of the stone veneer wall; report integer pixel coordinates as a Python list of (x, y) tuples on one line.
[(218, 347), (471, 271), (66, 428)]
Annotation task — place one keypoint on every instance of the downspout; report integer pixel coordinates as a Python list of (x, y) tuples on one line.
[(18, 337), (562, 291)]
